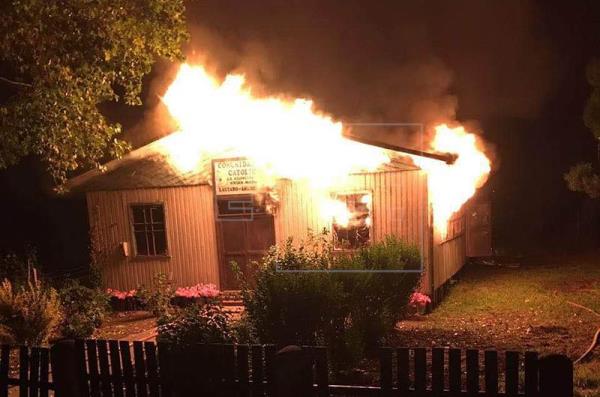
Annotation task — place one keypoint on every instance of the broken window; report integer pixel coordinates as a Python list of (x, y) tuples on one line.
[(352, 227), (148, 223)]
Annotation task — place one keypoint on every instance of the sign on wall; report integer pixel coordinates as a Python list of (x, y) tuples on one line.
[(234, 176)]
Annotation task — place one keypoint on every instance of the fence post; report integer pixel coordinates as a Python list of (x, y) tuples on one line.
[(556, 376), (292, 373), (65, 371)]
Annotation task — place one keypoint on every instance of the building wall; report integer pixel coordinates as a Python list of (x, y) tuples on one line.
[(191, 235), (400, 208), (449, 254)]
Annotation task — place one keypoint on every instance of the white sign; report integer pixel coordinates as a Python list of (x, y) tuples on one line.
[(234, 176)]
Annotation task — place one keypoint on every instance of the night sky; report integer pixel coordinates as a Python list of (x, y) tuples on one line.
[(513, 71)]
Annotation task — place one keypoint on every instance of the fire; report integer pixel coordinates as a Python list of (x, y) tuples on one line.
[(285, 139), (450, 186), (290, 139)]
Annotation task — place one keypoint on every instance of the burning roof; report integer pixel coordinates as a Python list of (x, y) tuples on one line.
[(283, 138)]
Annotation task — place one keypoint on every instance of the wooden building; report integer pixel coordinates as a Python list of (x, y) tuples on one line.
[(146, 217)]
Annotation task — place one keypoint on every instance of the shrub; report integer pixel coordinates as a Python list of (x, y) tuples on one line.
[(295, 307), (29, 314), (83, 308), (157, 298), (349, 312), (195, 324), (15, 268), (376, 301)]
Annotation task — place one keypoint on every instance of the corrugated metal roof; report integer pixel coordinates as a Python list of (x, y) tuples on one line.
[(148, 167)]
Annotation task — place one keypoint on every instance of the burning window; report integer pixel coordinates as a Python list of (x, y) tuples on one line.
[(352, 221), (148, 223)]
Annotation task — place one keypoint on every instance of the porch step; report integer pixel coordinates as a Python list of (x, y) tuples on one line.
[(231, 298)]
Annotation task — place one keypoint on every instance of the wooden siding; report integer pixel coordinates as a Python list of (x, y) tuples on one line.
[(191, 239), (449, 256), (400, 208)]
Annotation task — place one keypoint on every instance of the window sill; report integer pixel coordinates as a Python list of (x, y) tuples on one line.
[(146, 258)]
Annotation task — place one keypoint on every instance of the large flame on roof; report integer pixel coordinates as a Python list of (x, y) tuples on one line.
[(290, 139)]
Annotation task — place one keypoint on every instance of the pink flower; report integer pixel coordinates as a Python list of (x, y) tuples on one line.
[(121, 295), (419, 299), (198, 291)]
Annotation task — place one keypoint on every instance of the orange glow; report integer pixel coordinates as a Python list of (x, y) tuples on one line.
[(290, 139), (450, 186), (284, 139)]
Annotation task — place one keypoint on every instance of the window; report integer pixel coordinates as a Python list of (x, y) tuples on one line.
[(149, 229), (353, 228)]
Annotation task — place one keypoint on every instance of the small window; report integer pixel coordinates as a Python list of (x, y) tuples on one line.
[(149, 229), (353, 230)]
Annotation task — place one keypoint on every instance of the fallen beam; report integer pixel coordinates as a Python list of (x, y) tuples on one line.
[(448, 158)]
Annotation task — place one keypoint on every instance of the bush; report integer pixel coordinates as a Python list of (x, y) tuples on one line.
[(29, 314), (157, 298), (377, 301), (349, 312), (84, 310), (295, 307), (195, 324), (15, 268)]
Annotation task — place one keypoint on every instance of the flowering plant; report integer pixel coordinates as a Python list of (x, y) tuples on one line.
[(121, 295), (418, 299), (198, 291)]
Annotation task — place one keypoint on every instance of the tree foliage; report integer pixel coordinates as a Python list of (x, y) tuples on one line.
[(583, 177), (64, 58)]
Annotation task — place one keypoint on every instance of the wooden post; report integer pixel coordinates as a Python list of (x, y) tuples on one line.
[(292, 373), (556, 376), (65, 369)]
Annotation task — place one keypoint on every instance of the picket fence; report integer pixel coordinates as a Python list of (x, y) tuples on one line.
[(101, 368)]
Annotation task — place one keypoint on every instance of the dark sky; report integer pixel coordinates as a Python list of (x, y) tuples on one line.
[(514, 70)]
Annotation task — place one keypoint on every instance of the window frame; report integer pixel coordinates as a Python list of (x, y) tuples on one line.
[(136, 254), (335, 196)]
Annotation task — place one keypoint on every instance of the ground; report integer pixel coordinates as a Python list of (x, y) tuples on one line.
[(536, 304)]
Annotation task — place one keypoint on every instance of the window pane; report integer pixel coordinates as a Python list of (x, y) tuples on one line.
[(138, 213), (160, 243), (158, 214), (141, 243)]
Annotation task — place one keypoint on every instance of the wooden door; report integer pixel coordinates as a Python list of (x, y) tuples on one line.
[(243, 238)]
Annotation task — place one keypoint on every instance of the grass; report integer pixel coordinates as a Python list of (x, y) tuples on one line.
[(529, 307)]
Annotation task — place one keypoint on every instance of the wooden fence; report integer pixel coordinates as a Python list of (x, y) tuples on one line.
[(25, 368), (99, 368)]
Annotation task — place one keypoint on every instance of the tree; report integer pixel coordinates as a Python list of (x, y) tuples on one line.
[(61, 59), (583, 177)]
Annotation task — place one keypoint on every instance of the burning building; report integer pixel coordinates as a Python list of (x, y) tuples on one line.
[(244, 173)]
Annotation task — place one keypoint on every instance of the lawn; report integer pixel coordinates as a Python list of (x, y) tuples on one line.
[(533, 306)]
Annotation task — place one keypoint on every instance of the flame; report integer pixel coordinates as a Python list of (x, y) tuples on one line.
[(336, 210), (285, 139), (450, 186), (290, 139)]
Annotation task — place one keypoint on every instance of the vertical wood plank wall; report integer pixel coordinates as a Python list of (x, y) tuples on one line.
[(400, 208), (449, 257), (191, 236)]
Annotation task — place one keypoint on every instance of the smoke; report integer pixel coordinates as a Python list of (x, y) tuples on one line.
[(393, 62)]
